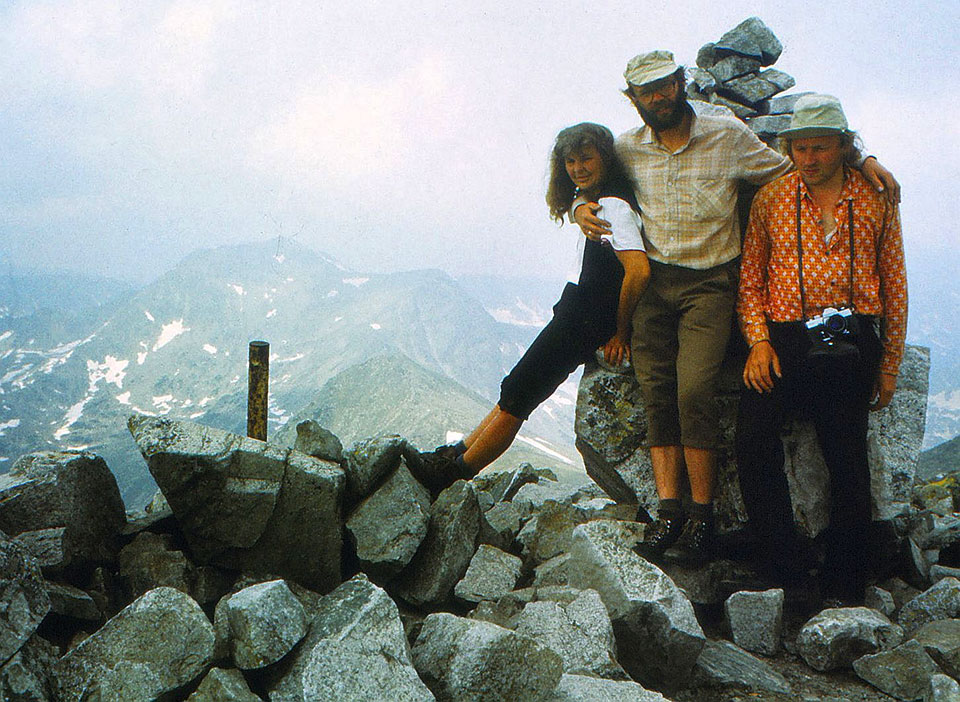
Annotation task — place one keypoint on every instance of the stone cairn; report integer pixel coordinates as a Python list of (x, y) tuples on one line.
[(316, 573), (734, 73)]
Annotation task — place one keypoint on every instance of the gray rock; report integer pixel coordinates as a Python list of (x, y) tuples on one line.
[(769, 125), (69, 601), (69, 490), (584, 688), (737, 108), (721, 664), (210, 584), (157, 644), (247, 505), (879, 599), (465, 660), (25, 677), (579, 632), (49, 548), (783, 104), (939, 572), (756, 620), (500, 525), (314, 440), (835, 638), (707, 56), (902, 591), (446, 551), (553, 572), (940, 601), (611, 428), (503, 612), (151, 561), (783, 81), (749, 90), (356, 650), (389, 526), (369, 461), (941, 532), (223, 685), (919, 562), (941, 640), (24, 601), (942, 688), (492, 573), (733, 67), (903, 672), (752, 38), (265, 621), (703, 79), (549, 535), (657, 633)]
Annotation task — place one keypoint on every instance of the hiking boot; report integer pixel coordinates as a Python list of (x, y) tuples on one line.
[(695, 546), (659, 535), (438, 470)]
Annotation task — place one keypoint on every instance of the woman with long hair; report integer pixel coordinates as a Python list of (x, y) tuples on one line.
[(595, 312)]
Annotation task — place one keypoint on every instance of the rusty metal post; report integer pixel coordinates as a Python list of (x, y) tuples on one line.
[(258, 384)]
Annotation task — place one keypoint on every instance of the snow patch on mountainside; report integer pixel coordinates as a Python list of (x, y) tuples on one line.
[(169, 332)]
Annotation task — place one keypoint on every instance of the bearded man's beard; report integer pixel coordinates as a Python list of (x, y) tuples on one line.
[(659, 123)]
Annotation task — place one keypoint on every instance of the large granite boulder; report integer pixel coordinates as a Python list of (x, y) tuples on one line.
[(836, 637), (24, 601), (25, 677), (447, 549), (68, 500), (611, 428), (387, 528), (245, 504), (658, 636), (356, 649), (584, 688), (465, 660), (156, 645), (223, 685), (940, 601), (580, 632), (260, 624)]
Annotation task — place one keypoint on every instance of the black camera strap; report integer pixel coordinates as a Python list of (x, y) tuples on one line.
[(803, 303)]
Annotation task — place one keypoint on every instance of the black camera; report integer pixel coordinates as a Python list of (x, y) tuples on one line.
[(833, 333)]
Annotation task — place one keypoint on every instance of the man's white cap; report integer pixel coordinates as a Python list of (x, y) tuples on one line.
[(816, 115), (648, 67)]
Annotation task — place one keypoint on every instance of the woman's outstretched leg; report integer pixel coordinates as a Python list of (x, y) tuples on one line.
[(484, 423), (491, 439)]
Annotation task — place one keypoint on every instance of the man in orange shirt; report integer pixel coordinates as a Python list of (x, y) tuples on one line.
[(823, 306)]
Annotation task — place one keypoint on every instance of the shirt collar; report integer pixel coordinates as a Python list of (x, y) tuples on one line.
[(847, 192)]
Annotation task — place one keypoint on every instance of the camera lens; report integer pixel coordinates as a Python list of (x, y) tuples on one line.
[(835, 323)]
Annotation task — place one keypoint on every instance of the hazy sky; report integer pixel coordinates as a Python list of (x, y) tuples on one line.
[(396, 135)]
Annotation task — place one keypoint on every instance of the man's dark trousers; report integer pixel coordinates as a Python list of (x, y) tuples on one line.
[(834, 393)]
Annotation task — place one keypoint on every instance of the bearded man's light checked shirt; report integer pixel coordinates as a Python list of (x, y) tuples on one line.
[(688, 198)]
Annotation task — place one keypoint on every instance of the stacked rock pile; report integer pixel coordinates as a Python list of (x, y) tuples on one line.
[(266, 573), (735, 72)]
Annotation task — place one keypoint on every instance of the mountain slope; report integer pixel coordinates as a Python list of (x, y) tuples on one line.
[(178, 347)]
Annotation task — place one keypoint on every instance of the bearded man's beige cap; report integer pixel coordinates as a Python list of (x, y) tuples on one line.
[(648, 67)]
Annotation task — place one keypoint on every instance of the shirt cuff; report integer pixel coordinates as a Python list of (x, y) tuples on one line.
[(755, 333)]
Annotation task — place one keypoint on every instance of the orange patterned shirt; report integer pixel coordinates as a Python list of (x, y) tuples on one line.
[(769, 280)]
